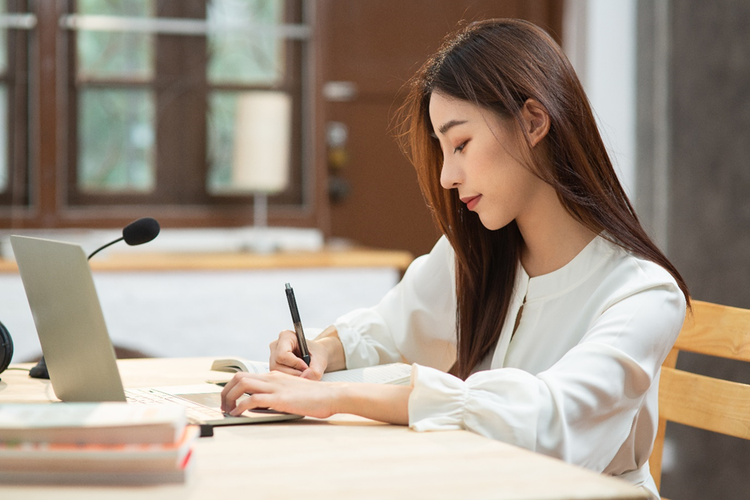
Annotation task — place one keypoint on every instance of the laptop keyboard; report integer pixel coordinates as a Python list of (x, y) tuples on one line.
[(196, 413)]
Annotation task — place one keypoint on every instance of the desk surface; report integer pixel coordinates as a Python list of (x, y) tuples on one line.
[(142, 261), (343, 457)]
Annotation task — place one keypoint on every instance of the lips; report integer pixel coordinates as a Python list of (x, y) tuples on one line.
[(471, 201)]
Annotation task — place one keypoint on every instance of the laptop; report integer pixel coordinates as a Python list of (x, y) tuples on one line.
[(76, 345)]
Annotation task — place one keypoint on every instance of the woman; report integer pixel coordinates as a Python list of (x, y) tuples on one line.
[(542, 316)]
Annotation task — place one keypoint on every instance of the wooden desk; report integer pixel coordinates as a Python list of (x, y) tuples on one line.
[(344, 457), (141, 261)]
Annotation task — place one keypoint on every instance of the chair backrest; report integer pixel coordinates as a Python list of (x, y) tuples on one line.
[(704, 402)]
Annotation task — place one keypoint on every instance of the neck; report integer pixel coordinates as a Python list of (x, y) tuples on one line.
[(552, 237)]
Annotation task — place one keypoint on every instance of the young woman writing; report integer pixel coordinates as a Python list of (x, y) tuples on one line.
[(542, 316)]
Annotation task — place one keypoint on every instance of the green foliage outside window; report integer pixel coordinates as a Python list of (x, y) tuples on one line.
[(116, 147)]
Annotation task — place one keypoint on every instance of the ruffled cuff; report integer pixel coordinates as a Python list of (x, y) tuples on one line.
[(500, 404), (366, 339), (437, 400), (355, 349)]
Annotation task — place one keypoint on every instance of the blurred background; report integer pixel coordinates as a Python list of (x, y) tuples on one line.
[(266, 126)]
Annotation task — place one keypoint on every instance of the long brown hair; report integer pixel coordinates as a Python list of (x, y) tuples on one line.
[(498, 65)]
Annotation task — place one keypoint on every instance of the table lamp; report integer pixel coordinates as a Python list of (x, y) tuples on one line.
[(261, 153)]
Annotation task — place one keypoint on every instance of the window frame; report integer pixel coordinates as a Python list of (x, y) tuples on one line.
[(17, 118), (53, 200)]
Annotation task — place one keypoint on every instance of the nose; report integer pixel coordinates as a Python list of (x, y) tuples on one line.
[(450, 175)]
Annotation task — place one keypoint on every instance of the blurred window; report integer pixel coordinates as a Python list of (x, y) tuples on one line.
[(4, 100), (144, 105), (15, 24), (156, 96), (115, 115)]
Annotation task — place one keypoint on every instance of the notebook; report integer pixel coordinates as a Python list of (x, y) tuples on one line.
[(76, 345)]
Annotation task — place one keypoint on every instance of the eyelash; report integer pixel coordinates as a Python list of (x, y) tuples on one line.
[(460, 147)]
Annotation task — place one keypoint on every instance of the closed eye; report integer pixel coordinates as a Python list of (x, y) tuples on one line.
[(460, 147)]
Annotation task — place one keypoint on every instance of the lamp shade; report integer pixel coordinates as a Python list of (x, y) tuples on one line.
[(262, 142)]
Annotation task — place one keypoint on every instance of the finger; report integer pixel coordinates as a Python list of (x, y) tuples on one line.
[(226, 405), (284, 354), (287, 342), (311, 374), (252, 402), (288, 361), (244, 383), (317, 368), (287, 370)]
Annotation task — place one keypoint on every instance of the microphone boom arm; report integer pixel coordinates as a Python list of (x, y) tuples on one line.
[(105, 246)]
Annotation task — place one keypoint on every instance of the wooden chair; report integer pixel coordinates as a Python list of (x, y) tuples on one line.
[(704, 402)]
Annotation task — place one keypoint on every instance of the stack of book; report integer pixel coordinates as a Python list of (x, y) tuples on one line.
[(94, 443)]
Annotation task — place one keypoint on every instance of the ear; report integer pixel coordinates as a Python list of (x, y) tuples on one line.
[(535, 121)]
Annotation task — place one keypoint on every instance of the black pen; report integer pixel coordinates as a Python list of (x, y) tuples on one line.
[(305, 354)]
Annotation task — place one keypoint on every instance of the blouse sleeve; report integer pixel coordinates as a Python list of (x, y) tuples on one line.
[(584, 407), (413, 323)]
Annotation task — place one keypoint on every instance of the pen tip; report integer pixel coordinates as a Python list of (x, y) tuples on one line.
[(288, 286)]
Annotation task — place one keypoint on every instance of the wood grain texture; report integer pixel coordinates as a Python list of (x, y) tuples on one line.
[(341, 457), (716, 330), (696, 400), (704, 402), (396, 259)]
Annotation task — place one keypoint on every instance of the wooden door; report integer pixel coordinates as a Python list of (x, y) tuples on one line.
[(372, 47)]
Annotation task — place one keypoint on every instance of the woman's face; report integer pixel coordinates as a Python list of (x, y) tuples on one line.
[(481, 160)]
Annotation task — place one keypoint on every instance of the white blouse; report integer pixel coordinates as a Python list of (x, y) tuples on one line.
[(577, 381)]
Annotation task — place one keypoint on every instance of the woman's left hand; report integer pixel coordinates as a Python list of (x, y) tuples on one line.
[(279, 391)]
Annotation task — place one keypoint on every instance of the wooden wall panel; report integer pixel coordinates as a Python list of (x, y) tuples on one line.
[(377, 45)]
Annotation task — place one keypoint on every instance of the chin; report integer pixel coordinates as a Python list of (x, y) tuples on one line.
[(493, 225)]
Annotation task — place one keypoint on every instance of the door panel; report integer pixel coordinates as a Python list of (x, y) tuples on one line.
[(376, 45)]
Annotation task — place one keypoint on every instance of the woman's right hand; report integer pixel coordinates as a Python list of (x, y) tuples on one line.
[(284, 359)]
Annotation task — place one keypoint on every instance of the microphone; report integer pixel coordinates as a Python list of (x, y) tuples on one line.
[(136, 233)]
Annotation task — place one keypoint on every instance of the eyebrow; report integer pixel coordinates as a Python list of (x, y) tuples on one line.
[(445, 127)]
